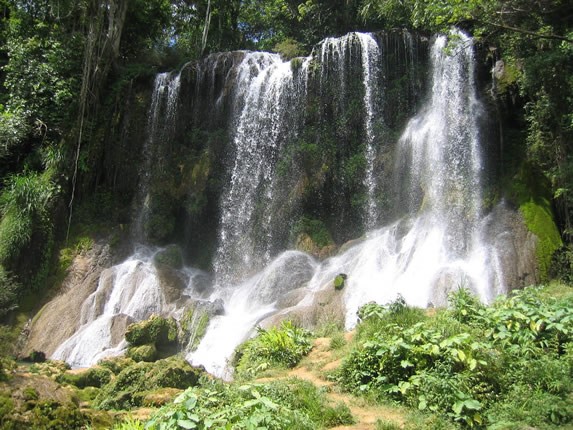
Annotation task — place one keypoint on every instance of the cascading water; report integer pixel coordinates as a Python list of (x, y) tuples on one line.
[(162, 117), (126, 293), (436, 244), (267, 92), (370, 66)]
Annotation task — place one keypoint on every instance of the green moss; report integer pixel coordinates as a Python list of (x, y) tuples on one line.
[(92, 377), (339, 281), (314, 228), (531, 192), (116, 364), (194, 325), (125, 391), (157, 330), (539, 220), (143, 353)]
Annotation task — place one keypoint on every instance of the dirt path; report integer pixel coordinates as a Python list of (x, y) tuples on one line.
[(314, 369)]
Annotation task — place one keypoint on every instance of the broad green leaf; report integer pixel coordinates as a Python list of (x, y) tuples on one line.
[(186, 424)]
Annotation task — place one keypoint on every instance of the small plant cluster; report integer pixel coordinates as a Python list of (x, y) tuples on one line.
[(277, 405), (504, 366), (282, 346)]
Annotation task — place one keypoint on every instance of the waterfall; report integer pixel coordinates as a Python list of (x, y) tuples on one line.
[(370, 69), (436, 241), (125, 293), (161, 120), (267, 92)]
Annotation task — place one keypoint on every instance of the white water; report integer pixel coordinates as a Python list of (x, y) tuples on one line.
[(370, 69), (437, 247), (418, 258), (265, 84), (130, 290), (162, 117)]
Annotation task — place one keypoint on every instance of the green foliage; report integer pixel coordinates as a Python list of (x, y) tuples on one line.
[(14, 128), (277, 405), (289, 49), (282, 346), (314, 228), (129, 424), (471, 362), (35, 413), (23, 202), (562, 264), (9, 289)]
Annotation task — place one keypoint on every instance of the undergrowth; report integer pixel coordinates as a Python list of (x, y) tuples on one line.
[(508, 365), (282, 346), (276, 405)]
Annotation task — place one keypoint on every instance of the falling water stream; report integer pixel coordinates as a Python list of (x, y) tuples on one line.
[(435, 246)]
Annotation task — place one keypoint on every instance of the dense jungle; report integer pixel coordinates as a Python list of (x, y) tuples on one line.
[(277, 214)]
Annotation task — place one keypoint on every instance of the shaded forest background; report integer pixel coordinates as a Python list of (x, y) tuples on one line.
[(64, 63)]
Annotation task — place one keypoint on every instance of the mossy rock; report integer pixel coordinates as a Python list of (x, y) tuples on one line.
[(340, 281), (157, 330), (171, 256), (531, 192), (195, 321), (315, 229), (92, 377), (125, 391), (51, 368), (116, 364), (539, 220), (47, 414), (143, 353), (160, 397)]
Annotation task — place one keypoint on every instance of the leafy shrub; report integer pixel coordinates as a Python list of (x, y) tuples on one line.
[(278, 346), (394, 316), (24, 204), (278, 405), (471, 363), (289, 48), (562, 264)]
